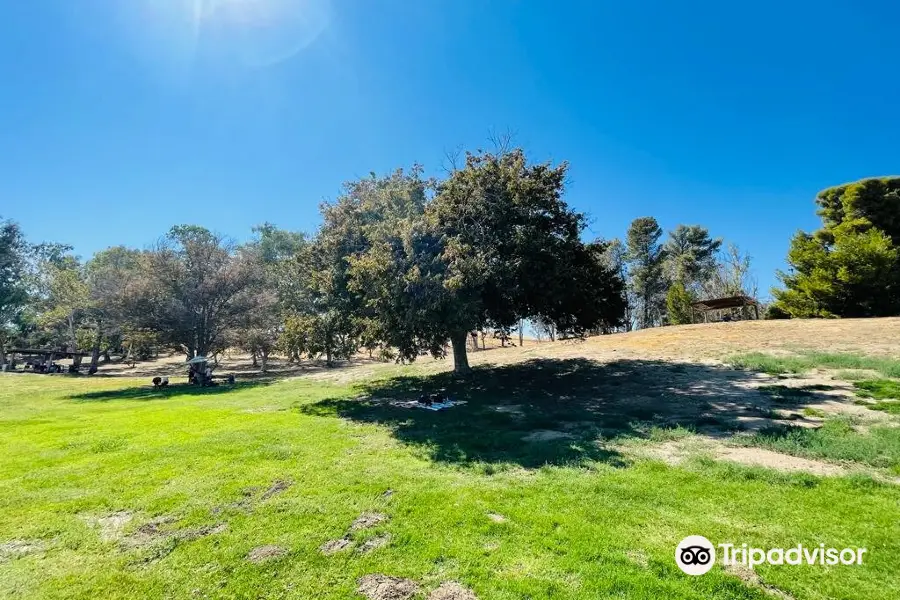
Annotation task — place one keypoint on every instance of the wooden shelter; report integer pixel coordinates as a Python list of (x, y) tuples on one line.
[(739, 301)]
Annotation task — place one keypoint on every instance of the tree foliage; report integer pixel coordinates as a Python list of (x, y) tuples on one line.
[(851, 266), (646, 258), (194, 289), (433, 269), (13, 290), (691, 254), (678, 304)]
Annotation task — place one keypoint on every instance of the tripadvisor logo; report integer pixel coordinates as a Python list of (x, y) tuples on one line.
[(696, 555)]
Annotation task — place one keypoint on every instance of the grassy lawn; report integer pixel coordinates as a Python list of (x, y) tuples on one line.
[(111, 490), (804, 361)]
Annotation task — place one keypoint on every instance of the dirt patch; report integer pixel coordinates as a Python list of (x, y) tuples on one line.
[(334, 546), (264, 553), (155, 530), (276, 488), (382, 587), (111, 526), (450, 590), (496, 518), (18, 548), (189, 535), (760, 457), (547, 435), (752, 578), (677, 451), (375, 543), (367, 521)]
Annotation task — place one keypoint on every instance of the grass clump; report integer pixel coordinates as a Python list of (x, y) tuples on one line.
[(836, 440), (879, 389), (805, 361), (890, 407)]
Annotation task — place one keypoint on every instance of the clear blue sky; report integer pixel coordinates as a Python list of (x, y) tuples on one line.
[(119, 119)]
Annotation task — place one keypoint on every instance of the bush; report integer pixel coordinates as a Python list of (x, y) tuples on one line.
[(776, 312)]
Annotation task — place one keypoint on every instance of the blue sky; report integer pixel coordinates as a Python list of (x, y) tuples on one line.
[(119, 119)]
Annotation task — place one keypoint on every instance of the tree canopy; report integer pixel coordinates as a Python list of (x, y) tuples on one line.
[(850, 267)]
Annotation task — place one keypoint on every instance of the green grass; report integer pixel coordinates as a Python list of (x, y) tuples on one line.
[(836, 440), (73, 450), (885, 391), (805, 361), (879, 389)]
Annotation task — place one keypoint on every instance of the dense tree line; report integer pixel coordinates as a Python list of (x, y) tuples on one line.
[(404, 265), (401, 265)]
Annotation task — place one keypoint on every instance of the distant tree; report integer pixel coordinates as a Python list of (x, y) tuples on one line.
[(13, 287), (195, 290), (690, 255), (66, 303), (678, 304), (111, 276), (851, 266), (614, 258), (645, 258)]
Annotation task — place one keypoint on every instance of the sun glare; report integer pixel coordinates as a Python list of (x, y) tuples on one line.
[(253, 32)]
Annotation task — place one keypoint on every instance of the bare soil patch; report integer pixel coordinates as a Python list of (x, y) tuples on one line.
[(278, 486), (264, 553), (677, 451), (375, 543), (752, 578), (496, 518), (334, 546), (18, 548), (383, 587), (156, 530), (451, 590), (111, 526), (367, 521)]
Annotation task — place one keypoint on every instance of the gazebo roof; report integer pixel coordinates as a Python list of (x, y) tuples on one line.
[(726, 302)]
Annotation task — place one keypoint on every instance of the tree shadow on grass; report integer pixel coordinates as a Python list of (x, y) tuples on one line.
[(554, 412), (148, 393)]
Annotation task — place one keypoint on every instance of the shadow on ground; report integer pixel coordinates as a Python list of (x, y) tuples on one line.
[(558, 411), (147, 393)]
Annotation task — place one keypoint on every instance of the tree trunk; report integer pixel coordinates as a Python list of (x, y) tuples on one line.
[(2, 354), (521, 329), (264, 360), (460, 358), (255, 362), (95, 352)]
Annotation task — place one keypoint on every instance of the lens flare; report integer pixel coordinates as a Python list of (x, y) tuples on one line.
[(254, 33)]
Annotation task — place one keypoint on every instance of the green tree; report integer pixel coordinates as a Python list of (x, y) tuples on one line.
[(691, 255), (13, 290), (851, 266), (646, 257), (496, 244), (678, 304), (111, 276), (194, 290), (66, 303)]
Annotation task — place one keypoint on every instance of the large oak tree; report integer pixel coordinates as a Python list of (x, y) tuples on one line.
[(495, 244)]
